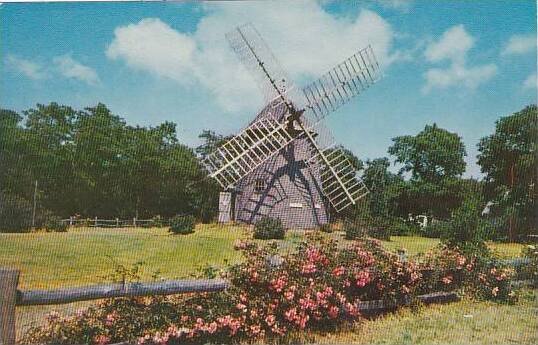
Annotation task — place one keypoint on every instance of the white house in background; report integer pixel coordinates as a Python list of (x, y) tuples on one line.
[(421, 219)]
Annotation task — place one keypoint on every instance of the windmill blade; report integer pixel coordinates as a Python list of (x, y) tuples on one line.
[(247, 150), (259, 60), (343, 82), (339, 180)]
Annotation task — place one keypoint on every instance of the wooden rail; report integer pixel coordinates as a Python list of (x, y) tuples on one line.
[(10, 297), (113, 223), (92, 292)]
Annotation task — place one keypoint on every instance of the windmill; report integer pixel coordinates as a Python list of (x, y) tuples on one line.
[(285, 163)]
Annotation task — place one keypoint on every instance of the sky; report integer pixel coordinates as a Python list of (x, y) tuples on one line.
[(460, 64)]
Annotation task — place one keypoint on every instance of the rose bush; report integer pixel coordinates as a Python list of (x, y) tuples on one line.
[(480, 275), (316, 286), (529, 270)]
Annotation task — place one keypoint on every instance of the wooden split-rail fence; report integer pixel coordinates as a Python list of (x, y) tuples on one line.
[(113, 223), (11, 297)]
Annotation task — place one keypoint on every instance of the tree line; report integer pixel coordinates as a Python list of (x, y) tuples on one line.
[(430, 179), (91, 162)]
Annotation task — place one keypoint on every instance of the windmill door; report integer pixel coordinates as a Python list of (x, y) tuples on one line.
[(225, 207)]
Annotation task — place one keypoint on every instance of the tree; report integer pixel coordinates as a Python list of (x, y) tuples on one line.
[(384, 186), (431, 155), (92, 163), (211, 141), (508, 159), (434, 157), (13, 147)]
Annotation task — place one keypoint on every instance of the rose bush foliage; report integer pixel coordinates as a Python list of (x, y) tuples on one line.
[(316, 286), (478, 275)]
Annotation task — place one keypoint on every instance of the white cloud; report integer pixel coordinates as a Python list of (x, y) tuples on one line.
[(70, 68), (28, 68), (530, 82), (306, 48), (457, 74), (153, 46), (453, 46), (520, 44)]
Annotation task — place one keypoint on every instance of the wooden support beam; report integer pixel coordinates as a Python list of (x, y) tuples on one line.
[(92, 292), (9, 278)]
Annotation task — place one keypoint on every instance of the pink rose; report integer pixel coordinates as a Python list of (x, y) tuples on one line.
[(333, 312), (495, 291), (101, 339), (447, 280), (241, 307), (289, 295), (270, 320), (338, 271), (363, 278)]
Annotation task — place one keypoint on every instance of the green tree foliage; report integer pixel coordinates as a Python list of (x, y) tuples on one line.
[(211, 141), (13, 148), (431, 155), (92, 163), (434, 159), (508, 159), (385, 188), (466, 228)]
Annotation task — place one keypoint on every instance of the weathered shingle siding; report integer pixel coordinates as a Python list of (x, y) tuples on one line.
[(288, 181)]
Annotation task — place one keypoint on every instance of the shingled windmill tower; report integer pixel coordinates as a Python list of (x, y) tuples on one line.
[(285, 164)]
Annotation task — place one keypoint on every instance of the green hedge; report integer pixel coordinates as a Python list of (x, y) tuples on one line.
[(268, 228), (182, 225)]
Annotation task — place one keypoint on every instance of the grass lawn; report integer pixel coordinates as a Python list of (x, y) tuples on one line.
[(464, 322), (84, 256)]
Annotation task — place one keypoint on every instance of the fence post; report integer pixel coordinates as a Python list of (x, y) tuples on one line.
[(9, 278), (95, 222), (117, 222), (134, 221), (71, 220)]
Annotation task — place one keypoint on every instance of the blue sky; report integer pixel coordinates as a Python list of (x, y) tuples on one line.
[(460, 64)]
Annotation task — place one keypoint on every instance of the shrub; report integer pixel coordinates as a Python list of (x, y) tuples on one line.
[(54, 223), (354, 229), (326, 228), (315, 286), (372, 227), (157, 221), (269, 228), (182, 225), (465, 229), (478, 274), (400, 227), (435, 230), (15, 213), (529, 270), (380, 228)]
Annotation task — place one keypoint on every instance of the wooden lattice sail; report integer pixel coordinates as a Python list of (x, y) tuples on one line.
[(290, 115)]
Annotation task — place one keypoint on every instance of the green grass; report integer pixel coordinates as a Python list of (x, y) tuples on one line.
[(412, 244), (464, 322), (84, 256)]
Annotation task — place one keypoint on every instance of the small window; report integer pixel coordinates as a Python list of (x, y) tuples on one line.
[(259, 185)]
